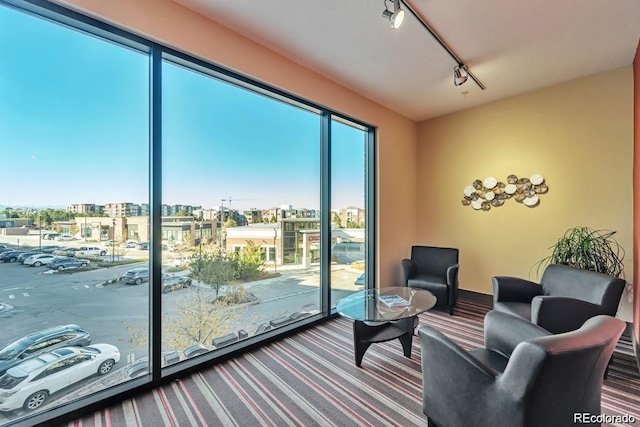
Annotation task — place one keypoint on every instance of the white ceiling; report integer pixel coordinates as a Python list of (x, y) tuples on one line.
[(511, 46)]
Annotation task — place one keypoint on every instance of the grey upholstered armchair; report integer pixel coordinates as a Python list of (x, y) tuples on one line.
[(436, 270), (545, 381), (565, 298)]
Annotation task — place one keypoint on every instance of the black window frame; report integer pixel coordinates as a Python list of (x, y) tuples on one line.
[(158, 53)]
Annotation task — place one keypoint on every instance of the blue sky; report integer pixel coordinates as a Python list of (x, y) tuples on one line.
[(74, 128)]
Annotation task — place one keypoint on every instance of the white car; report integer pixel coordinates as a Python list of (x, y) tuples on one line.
[(29, 384), (65, 238), (180, 261), (39, 259), (90, 251)]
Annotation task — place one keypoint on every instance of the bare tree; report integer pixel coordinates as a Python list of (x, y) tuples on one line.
[(195, 319)]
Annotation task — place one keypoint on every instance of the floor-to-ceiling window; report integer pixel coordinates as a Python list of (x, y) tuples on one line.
[(169, 211), (74, 120), (349, 143), (244, 166)]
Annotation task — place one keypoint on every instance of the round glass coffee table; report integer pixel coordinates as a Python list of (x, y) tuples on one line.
[(384, 314)]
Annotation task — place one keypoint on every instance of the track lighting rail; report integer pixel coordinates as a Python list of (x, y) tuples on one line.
[(443, 44)]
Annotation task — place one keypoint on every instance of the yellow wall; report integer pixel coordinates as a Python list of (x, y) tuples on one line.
[(176, 26), (578, 135)]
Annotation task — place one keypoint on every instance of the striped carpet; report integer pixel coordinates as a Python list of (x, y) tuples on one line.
[(310, 379)]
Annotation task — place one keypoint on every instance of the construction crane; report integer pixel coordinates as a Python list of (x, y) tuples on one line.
[(229, 200), (226, 200)]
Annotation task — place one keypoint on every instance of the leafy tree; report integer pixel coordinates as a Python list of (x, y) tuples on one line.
[(45, 218), (10, 213), (249, 261), (336, 220), (181, 212), (352, 224), (230, 223), (216, 270)]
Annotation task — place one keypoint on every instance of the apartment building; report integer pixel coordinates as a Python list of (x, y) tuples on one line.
[(118, 210), (352, 217), (253, 216), (185, 210), (82, 208)]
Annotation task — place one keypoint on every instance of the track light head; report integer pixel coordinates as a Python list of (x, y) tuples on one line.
[(460, 75), (396, 17)]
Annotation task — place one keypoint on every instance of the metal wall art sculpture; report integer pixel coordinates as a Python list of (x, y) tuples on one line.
[(481, 195)]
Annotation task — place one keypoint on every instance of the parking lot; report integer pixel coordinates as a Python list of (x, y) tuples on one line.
[(35, 298)]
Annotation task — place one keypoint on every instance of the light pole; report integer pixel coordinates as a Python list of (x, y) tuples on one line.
[(275, 249), (200, 256), (113, 241), (35, 211)]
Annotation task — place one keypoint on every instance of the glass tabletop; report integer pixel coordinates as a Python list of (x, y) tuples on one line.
[(385, 304)]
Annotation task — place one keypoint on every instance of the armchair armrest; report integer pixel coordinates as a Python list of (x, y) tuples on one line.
[(409, 268), (452, 281), (451, 378), (561, 314), (503, 332), (451, 362), (452, 275), (514, 289)]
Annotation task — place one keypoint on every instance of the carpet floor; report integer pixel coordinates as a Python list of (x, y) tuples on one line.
[(309, 379)]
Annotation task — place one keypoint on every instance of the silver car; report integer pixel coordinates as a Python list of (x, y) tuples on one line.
[(39, 259)]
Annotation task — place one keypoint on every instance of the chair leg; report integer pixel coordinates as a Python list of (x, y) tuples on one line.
[(431, 423), (606, 371), (450, 310)]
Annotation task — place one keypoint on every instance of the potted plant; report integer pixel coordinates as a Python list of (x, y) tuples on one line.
[(588, 249)]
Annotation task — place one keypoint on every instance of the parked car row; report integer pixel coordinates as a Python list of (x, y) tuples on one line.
[(42, 363), (16, 255), (170, 282), (38, 342), (68, 263), (10, 256), (132, 244), (82, 251), (136, 276), (36, 258)]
